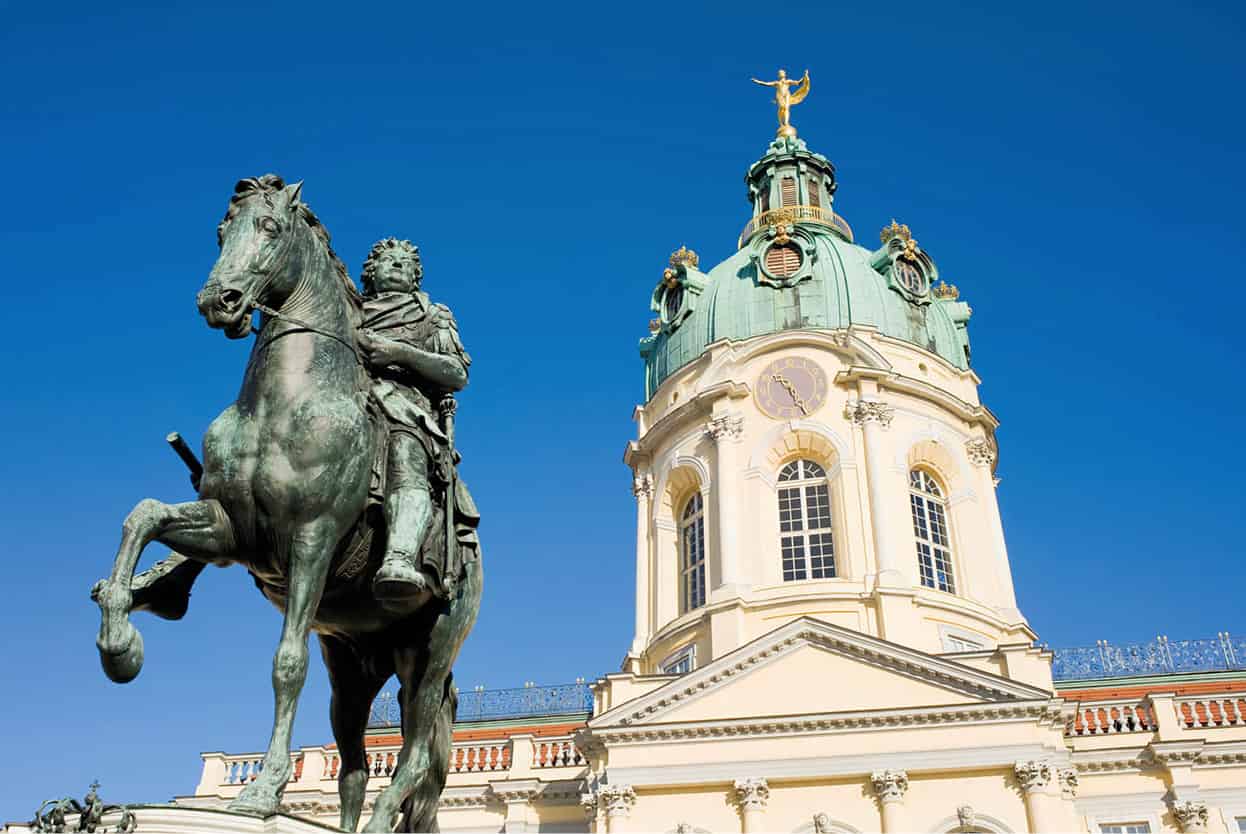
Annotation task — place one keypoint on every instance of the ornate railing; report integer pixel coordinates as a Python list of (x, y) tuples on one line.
[(490, 704), (1160, 656), (795, 214)]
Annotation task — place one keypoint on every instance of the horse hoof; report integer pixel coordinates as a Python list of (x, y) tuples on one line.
[(249, 803), (123, 664)]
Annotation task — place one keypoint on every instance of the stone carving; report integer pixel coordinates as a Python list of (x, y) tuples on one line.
[(322, 352), (979, 451), (683, 828), (588, 803), (729, 426), (51, 814), (751, 794), (642, 486), (821, 823), (618, 799), (1191, 814), (869, 411), (1032, 775), (1066, 778), (967, 817), (890, 785)]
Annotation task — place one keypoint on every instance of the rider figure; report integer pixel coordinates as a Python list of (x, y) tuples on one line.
[(416, 358)]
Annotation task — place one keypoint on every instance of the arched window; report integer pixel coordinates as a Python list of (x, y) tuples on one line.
[(805, 522), (692, 553), (934, 549)]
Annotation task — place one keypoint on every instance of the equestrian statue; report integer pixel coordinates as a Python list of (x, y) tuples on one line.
[(333, 480)]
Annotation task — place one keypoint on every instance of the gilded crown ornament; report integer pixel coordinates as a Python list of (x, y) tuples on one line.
[(683, 256), (895, 230), (948, 292), (786, 98)]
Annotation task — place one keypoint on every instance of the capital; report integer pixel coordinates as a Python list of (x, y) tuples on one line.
[(979, 451), (1033, 776), (890, 785), (618, 799), (1191, 814), (751, 794), (588, 803), (869, 411), (642, 486), (1066, 778), (967, 817), (728, 426)]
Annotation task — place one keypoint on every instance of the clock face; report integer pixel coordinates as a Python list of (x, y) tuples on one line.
[(791, 388)]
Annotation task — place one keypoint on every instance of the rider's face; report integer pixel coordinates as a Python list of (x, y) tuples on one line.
[(396, 272)]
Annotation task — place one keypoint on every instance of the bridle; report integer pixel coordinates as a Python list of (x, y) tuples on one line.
[(299, 323)]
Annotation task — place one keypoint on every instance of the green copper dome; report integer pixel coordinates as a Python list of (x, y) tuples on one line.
[(798, 268)]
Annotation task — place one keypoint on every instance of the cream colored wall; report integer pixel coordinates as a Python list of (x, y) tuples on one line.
[(934, 413)]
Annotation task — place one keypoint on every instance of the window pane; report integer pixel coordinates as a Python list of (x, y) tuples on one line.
[(793, 551), (818, 506), (790, 472), (813, 470), (925, 565), (789, 510), (919, 516), (821, 556), (938, 523)]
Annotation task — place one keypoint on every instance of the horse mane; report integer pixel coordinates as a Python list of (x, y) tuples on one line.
[(270, 184)]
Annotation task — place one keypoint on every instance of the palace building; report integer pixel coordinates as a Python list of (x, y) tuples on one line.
[(827, 637)]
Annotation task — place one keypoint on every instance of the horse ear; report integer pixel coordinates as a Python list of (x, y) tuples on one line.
[(295, 190)]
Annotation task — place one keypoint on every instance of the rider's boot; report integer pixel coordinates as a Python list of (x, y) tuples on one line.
[(399, 582)]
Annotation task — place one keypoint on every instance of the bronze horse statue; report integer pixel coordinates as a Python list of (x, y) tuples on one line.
[(285, 492)]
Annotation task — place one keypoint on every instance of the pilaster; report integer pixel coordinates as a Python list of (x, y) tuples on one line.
[(642, 489), (890, 787), (726, 430), (981, 454), (517, 796), (752, 795), (1036, 779)]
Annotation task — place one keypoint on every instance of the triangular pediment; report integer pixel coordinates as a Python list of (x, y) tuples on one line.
[(810, 667)]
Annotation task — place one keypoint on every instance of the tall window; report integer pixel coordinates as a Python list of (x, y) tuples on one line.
[(934, 551), (692, 554), (787, 191), (805, 522)]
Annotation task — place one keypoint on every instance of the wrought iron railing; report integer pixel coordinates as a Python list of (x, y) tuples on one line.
[(488, 704), (795, 214), (1160, 656)]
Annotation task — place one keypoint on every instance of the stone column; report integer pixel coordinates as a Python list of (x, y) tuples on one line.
[(725, 430), (1035, 779), (1191, 815), (642, 488), (751, 795), (618, 800), (589, 804), (874, 416), (517, 797), (889, 787)]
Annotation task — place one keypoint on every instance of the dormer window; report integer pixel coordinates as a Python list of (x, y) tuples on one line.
[(788, 191), (814, 199), (673, 301), (783, 260), (909, 276)]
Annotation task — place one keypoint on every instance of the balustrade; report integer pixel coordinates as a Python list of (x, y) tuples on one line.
[(477, 757), (240, 770), (1201, 713), (556, 752), (1109, 719)]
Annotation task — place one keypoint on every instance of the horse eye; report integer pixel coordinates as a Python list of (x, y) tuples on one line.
[(269, 226)]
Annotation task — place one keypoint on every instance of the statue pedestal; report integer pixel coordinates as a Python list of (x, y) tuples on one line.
[(172, 819)]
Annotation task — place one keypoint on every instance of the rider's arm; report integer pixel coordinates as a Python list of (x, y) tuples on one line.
[(445, 371)]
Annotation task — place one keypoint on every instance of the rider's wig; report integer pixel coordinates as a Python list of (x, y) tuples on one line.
[(382, 247)]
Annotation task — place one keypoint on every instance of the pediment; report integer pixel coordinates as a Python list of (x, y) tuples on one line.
[(810, 667)]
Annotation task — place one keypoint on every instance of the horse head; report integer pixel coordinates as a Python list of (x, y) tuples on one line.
[(265, 241)]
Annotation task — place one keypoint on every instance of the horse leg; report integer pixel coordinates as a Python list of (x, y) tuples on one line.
[(427, 713), (355, 681), (310, 550), (199, 529)]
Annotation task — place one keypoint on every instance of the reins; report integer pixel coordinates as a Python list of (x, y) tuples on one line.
[(277, 316)]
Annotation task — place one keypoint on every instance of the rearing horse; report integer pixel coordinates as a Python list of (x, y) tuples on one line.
[(285, 492)]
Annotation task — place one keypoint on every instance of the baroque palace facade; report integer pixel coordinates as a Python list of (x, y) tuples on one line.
[(827, 637)]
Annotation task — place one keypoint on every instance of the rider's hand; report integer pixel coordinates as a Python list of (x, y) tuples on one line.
[(381, 352)]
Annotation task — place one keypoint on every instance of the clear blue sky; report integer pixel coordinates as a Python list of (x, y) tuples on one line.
[(1077, 169)]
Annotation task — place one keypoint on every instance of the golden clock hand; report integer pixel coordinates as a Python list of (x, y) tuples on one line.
[(797, 400)]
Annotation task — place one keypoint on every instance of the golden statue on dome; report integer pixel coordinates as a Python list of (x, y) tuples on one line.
[(786, 97)]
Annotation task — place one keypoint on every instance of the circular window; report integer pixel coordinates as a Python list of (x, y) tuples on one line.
[(782, 260), (673, 301), (910, 277)]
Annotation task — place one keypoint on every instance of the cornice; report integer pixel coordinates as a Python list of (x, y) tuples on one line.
[(1045, 712), (892, 381), (696, 408)]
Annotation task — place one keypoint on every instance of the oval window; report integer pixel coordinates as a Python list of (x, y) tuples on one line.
[(673, 301), (782, 260), (910, 277)]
